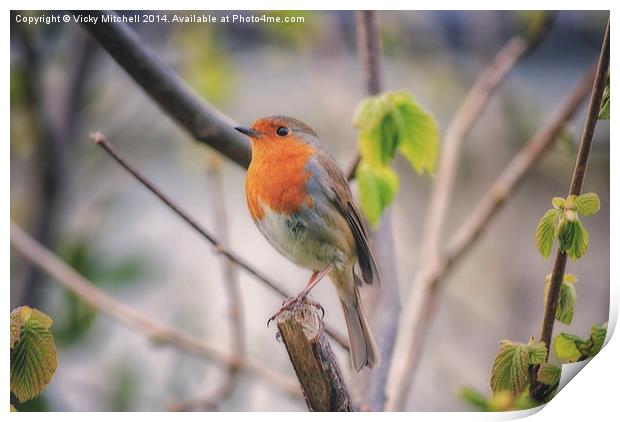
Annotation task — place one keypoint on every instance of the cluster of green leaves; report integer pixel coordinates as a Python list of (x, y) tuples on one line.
[(388, 123), (511, 363), (510, 380), (562, 222), (33, 353), (571, 348)]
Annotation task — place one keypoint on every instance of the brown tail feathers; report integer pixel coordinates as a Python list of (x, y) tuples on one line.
[(363, 349)]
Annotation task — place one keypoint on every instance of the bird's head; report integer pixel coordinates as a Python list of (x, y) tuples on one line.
[(279, 130)]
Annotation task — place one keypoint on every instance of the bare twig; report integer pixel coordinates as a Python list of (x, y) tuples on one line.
[(204, 122), (415, 326), (155, 330), (383, 305), (231, 286), (581, 165), (315, 365), (100, 139), (461, 125)]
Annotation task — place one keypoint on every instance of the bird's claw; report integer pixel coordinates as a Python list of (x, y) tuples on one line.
[(293, 305)]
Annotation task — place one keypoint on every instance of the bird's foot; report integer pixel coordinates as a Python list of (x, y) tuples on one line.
[(293, 304)]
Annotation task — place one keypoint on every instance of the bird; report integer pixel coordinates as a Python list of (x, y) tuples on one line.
[(299, 198)]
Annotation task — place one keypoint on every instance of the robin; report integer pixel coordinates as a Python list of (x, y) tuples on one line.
[(301, 202)]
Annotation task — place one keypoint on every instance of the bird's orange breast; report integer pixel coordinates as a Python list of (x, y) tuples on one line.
[(277, 176)]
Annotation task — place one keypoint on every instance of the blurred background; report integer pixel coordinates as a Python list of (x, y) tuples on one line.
[(71, 196)]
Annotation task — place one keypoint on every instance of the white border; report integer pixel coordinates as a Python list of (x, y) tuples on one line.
[(593, 392)]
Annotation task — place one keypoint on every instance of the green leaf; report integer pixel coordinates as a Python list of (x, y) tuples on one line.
[(567, 347), (21, 315), (419, 139), (33, 355), (566, 305), (603, 113), (549, 374), (369, 113), (558, 203), (573, 238), (587, 204), (570, 278), (13, 409), (545, 232), (377, 189), (537, 352), (510, 367), (475, 398), (599, 332), (580, 241)]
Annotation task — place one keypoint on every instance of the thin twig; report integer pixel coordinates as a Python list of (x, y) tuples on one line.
[(155, 330), (581, 165), (416, 325), (233, 293), (205, 123), (100, 139), (382, 305)]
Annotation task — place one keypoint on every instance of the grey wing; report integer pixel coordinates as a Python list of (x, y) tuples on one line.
[(331, 181)]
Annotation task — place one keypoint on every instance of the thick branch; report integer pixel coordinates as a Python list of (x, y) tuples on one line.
[(581, 165), (414, 326), (102, 141), (155, 330), (322, 384), (202, 121)]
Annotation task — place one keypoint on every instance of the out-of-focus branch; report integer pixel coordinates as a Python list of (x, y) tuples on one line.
[(55, 125), (155, 330), (201, 120), (314, 362), (415, 327), (100, 139), (382, 305), (233, 293), (581, 165), (461, 125)]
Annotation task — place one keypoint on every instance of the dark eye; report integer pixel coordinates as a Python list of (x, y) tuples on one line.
[(282, 131)]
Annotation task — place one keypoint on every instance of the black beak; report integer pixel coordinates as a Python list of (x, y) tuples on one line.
[(247, 131)]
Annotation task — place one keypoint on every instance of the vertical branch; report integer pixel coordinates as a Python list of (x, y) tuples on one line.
[(581, 165), (233, 293), (369, 45), (231, 276), (56, 120), (383, 305)]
